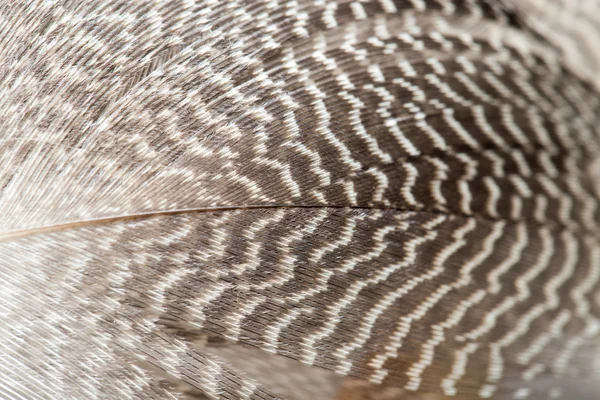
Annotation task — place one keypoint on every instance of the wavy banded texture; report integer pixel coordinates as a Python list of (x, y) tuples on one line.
[(299, 199)]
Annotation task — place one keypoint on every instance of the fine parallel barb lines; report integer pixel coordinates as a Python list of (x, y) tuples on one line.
[(554, 330), (496, 361), (404, 326), (321, 111), (592, 326), (354, 116), (448, 384), (461, 356), (411, 247), (95, 316), (522, 283), (427, 350), (299, 199), (441, 174), (272, 332), (336, 309)]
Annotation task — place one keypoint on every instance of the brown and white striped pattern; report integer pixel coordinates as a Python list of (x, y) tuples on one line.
[(404, 192)]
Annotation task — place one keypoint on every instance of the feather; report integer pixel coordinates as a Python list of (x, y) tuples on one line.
[(301, 199)]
